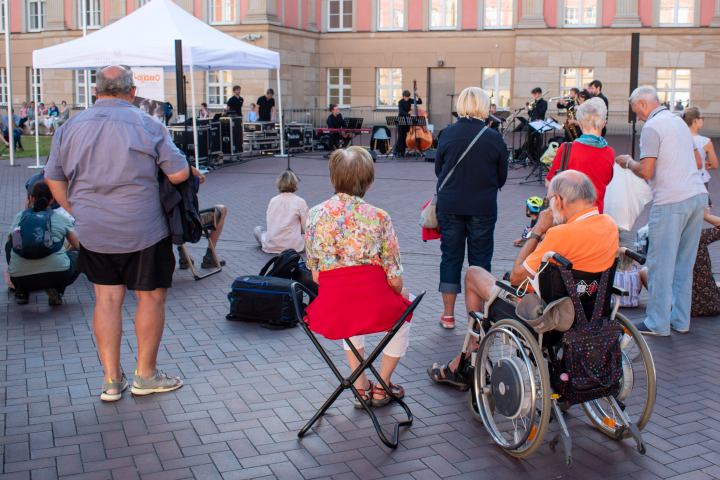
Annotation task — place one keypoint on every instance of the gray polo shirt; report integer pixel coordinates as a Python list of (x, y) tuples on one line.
[(666, 138), (111, 154)]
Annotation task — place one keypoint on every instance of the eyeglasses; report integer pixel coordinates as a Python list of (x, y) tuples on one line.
[(554, 195)]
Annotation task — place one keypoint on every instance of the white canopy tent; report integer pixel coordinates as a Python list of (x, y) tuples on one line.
[(146, 38)]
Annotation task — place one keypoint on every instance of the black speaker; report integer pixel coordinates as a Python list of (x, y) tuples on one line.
[(231, 134), (215, 138), (430, 155), (185, 141)]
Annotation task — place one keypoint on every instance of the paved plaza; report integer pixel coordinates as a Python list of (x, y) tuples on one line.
[(248, 390)]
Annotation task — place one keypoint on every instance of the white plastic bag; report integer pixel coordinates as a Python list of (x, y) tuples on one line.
[(626, 197)]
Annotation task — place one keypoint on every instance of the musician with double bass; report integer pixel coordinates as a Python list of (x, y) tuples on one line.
[(405, 108), (467, 203)]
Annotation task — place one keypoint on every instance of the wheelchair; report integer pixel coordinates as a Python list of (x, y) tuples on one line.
[(512, 392)]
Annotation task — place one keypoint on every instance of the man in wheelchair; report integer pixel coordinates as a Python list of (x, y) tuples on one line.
[(571, 227)]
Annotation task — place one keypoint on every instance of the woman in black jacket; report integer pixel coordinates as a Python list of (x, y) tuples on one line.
[(467, 204)]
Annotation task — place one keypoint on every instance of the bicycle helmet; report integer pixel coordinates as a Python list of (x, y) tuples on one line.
[(534, 204)]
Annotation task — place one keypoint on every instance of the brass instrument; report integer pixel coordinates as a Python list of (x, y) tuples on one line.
[(570, 128)]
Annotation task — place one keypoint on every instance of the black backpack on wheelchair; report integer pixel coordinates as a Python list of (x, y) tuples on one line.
[(585, 363)]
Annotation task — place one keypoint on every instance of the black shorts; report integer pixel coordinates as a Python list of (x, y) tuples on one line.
[(144, 270)]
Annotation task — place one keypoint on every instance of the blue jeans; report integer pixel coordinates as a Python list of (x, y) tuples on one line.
[(478, 231), (673, 234)]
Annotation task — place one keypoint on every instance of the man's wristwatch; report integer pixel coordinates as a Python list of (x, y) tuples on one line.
[(535, 236)]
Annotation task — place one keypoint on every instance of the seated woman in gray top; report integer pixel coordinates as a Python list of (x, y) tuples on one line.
[(53, 272)]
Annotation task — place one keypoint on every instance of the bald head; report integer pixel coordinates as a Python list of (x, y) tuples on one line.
[(115, 81), (573, 187)]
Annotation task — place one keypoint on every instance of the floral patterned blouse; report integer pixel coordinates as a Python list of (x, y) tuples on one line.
[(346, 232)]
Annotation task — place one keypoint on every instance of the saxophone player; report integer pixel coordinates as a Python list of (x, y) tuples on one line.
[(571, 126)]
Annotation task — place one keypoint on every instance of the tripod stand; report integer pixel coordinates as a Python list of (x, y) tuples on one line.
[(540, 129)]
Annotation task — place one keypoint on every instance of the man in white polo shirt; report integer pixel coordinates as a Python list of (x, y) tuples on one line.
[(668, 163)]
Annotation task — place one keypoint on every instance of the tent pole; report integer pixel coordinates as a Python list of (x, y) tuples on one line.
[(11, 131), (37, 129), (194, 117), (279, 114), (87, 76)]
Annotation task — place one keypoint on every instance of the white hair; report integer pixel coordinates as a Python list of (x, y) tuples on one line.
[(592, 113), (646, 93)]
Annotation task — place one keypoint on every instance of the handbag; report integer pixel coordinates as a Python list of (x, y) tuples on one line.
[(428, 216)]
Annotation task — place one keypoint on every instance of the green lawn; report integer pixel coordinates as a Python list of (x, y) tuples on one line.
[(28, 143)]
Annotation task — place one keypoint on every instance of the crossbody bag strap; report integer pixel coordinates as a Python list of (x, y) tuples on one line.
[(447, 177), (566, 157)]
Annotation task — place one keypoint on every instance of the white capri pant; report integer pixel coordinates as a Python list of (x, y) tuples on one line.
[(397, 347)]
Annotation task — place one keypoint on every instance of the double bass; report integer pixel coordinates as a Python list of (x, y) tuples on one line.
[(418, 136)]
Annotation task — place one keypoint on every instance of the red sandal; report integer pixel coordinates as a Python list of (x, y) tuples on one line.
[(398, 391), (447, 321), (366, 395)]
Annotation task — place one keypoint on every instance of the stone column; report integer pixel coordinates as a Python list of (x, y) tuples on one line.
[(626, 14), (312, 25), (117, 11), (716, 18), (532, 14), (55, 16), (261, 12)]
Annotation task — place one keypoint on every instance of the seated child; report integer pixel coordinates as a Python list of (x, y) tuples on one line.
[(533, 205), (286, 217)]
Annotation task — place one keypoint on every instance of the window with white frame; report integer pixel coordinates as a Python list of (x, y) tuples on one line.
[(35, 83), (673, 87), (142, 3), (390, 14), (219, 87), (340, 15), (91, 10), (3, 87), (389, 86), (496, 82), (35, 15), (80, 86), (676, 12), (498, 13), (574, 77), (339, 86), (580, 13), (2, 18), (222, 12), (443, 14)]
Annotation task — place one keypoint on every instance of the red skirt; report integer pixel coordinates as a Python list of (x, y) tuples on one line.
[(354, 301)]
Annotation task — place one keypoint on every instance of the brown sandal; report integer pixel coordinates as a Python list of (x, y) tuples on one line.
[(366, 396), (384, 399)]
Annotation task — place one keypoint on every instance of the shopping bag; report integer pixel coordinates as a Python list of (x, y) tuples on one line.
[(626, 197)]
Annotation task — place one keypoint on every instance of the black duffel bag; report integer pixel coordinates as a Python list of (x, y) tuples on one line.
[(265, 300)]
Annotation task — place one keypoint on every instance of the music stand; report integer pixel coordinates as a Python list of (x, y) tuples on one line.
[(539, 168)]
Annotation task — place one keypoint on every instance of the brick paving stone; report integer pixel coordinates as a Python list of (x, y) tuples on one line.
[(249, 390)]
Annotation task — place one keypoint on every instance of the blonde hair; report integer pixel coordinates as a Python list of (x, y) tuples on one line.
[(287, 182), (473, 102), (690, 114), (352, 171)]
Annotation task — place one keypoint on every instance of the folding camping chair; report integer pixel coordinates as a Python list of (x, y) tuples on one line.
[(346, 383), (209, 223)]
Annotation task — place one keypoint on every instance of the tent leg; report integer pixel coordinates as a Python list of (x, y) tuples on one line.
[(280, 115), (194, 116), (37, 129)]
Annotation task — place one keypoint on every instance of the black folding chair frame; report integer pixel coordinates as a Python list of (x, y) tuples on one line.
[(365, 364)]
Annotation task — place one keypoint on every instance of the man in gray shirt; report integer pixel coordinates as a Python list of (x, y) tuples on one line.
[(103, 168), (669, 163)]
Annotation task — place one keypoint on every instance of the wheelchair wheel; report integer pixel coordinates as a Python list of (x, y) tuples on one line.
[(511, 388), (637, 388)]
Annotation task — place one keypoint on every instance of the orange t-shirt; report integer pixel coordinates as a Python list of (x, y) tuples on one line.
[(589, 240)]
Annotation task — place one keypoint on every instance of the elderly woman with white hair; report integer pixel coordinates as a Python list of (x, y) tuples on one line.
[(467, 189), (589, 153)]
